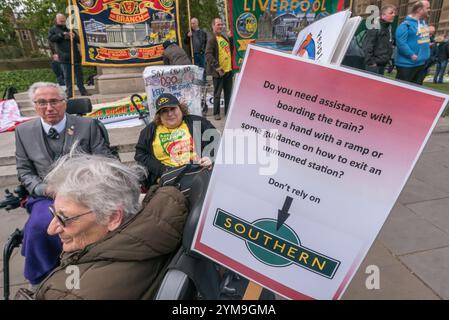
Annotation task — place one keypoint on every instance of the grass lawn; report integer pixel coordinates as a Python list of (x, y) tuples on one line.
[(441, 87), (23, 79)]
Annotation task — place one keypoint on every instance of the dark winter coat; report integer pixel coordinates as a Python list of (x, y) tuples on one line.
[(443, 51), (199, 41), (174, 55), (378, 45), (130, 262), (56, 35)]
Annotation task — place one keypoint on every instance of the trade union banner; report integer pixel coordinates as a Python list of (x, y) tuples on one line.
[(125, 32), (275, 23)]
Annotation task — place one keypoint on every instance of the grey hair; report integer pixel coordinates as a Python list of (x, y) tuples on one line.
[(385, 8), (99, 183), (38, 85)]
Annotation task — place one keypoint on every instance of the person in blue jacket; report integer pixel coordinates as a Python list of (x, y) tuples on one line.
[(413, 43)]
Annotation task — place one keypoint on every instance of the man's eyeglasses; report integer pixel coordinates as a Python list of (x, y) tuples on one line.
[(52, 102), (62, 219)]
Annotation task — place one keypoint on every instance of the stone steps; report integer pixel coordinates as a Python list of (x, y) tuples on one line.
[(8, 177), (24, 95), (7, 161), (8, 172), (27, 109), (123, 138)]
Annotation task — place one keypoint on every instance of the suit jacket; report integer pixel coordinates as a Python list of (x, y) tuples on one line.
[(33, 159)]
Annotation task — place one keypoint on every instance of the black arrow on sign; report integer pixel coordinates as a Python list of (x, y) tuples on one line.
[(283, 213)]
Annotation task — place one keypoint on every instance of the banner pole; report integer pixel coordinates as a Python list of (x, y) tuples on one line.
[(72, 60), (190, 30), (226, 13)]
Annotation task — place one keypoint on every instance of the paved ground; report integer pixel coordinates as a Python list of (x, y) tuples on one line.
[(411, 251)]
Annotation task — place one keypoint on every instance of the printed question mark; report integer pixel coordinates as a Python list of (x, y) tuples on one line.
[(361, 127), (341, 173)]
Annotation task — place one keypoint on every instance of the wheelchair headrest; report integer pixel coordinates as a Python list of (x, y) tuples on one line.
[(197, 195), (79, 106)]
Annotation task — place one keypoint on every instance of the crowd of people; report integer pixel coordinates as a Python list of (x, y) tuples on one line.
[(84, 203), (412, 49), (211, 52)]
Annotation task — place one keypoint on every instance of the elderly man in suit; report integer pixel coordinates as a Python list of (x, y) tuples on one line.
[(39, 143)]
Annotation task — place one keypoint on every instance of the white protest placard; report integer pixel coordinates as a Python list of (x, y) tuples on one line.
[(318, 40), (312, 159), (184, 82), (345, 40)]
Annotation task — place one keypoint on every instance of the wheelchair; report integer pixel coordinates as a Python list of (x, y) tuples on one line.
[(191, 276), (80, 107)]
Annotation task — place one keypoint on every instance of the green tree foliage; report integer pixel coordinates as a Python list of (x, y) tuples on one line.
[(204, 10), (23, 79), (7, 35), (37, 15)]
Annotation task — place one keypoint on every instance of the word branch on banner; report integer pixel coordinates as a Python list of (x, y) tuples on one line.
[(308, 170), (184, 82), (275, 23), (126, 32)]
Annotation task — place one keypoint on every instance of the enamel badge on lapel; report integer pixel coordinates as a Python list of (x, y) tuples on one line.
[(70, 130)]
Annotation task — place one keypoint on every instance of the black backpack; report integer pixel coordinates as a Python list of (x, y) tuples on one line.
[(9, 93)]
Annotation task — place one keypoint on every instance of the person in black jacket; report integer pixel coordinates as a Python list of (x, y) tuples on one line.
[(60, 35), (199, 41), (174, 55), (174, 138), (378, 44), (442, 60)]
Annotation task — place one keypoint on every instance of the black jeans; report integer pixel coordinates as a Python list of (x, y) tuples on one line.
[(410, 74), (200, 62), (379, 69), (67, 70), (57, 69), (222, 83)]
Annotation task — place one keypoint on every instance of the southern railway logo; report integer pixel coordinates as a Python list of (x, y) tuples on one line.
[(275, 247)]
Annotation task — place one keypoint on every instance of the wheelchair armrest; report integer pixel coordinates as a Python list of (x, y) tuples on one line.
[(197, 195), (175, 286)]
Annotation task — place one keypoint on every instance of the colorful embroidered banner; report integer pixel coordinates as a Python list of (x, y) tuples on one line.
[(126, 32), (275, 23)]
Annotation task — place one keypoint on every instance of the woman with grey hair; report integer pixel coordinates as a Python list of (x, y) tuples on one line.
[(113, 247)]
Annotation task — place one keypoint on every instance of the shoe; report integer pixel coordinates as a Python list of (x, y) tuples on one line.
[(217, 117)]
